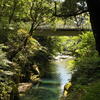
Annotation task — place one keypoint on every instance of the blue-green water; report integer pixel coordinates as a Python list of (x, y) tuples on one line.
[(51, 88)]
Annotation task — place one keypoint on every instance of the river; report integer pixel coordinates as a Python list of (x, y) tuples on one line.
[(51, 88)]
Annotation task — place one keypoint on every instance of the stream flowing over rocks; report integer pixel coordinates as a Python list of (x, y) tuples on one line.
[(51, 88)]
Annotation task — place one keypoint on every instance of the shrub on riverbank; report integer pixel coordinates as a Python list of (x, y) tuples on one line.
[(85, 79), (8, 77)]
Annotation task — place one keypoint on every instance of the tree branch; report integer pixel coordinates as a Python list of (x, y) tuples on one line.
[(72, 14)]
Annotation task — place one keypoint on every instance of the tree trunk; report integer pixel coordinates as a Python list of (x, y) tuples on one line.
[(23, 45), (94, 10)]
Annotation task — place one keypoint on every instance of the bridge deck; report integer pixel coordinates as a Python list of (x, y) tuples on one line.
[(59, 32)]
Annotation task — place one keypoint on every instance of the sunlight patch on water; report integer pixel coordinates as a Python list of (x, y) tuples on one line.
[(64, 74)]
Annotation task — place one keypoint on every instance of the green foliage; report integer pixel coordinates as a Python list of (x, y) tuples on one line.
[(73, 10), (6, 74), (16, 40), (92, 92), (73, 6), (51, 47), (15, 12), (86, 92), (3, 59), (52, 44), (86, 46), (86, 74), (88, 70), (19, 19), (24, 57), (70, 44), (82, 45), (70, 8)]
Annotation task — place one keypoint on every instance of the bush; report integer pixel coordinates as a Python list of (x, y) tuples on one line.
[(86, 46), (85, 79), (7, 76)]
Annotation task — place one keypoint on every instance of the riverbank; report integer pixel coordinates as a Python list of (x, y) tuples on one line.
[(86, 77)]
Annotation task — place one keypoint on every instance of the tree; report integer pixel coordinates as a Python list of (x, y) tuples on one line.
[(93, 8), (33, 12), (70, 8)]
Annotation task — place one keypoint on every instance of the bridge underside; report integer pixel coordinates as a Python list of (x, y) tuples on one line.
[(59, 32)]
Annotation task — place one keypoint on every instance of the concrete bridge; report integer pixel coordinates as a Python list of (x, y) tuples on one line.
[(59, 31)]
